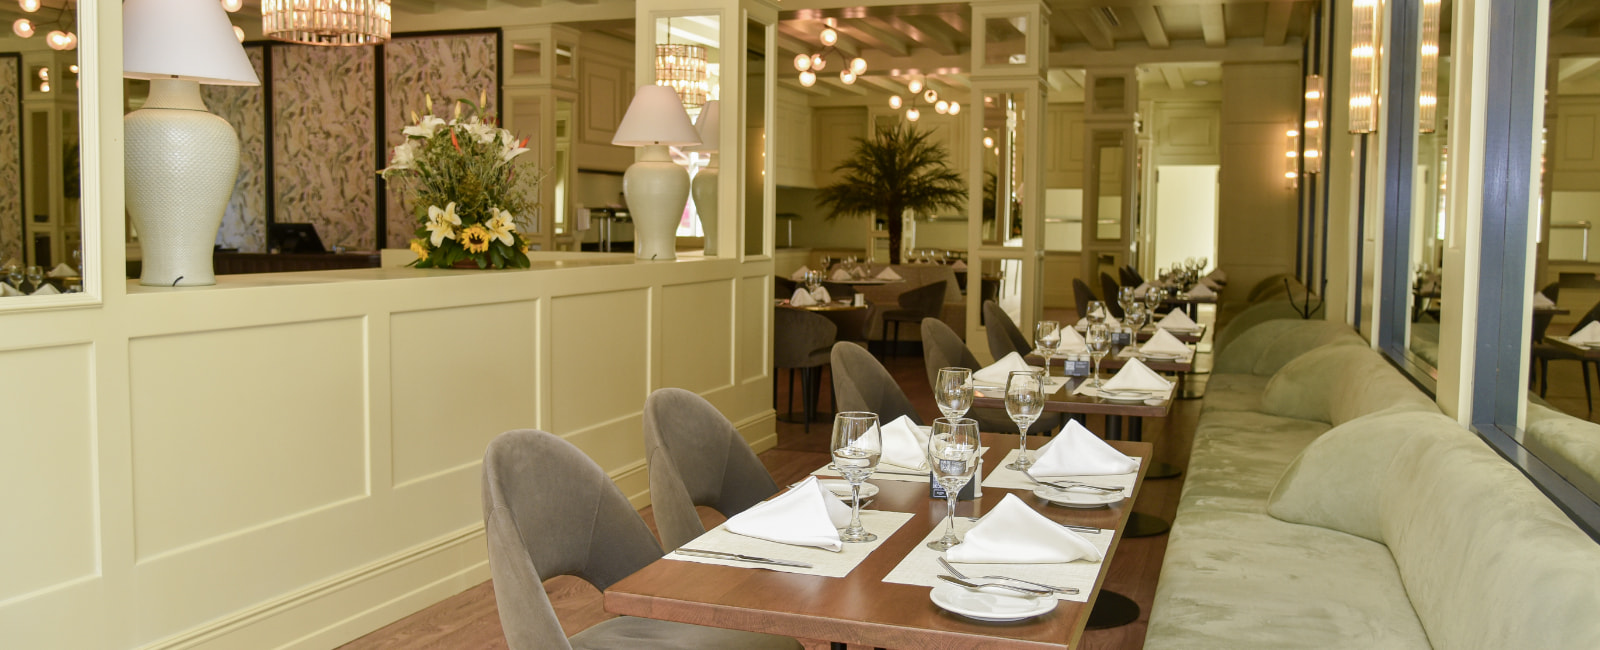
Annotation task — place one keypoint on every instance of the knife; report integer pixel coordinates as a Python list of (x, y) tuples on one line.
[(742, 558)]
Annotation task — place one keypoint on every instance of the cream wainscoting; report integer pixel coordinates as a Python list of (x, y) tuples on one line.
[(292, 460)]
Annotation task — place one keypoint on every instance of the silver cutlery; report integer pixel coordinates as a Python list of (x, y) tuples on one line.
[(977, 586), (957, 573), (1067, 485), (742, 558), (881, 470), (1072, 527)]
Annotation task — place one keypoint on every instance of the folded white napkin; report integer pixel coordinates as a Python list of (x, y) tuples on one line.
[(1134, 375), (62, 271), (1013, 533), (821, 295), (960, 265), (1077, 452), (1589, 335), (1142, 289), (1163, 342), (840, 275), (1539, 300), (800, 275), (1177, 321), (1111, 321), (807, 515), (1071, 341), (46, 290), (1218, 275), (887, 274), (999, 372), (802, 298), (904, 444), (1210, 284), (1201, 291), (6, 291)]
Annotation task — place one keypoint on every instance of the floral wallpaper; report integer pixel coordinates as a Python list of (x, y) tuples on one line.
[(244, 225), (447, 68), (10, 161), (325, 158)]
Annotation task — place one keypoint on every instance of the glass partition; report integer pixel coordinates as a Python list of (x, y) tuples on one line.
[(1003, 149), (1430, 184), (755, 128), (41, 188)]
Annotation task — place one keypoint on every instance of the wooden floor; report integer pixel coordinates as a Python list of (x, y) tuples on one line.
[(469, 619)]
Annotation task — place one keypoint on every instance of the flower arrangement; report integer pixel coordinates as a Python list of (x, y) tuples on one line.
[(469, 192)]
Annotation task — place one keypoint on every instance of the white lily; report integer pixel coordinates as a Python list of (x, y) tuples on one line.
[(511, 147), (501, 227), (442, 223), (404, 155), (425, 128), (484, 132)]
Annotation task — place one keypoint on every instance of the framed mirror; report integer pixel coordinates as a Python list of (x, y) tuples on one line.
[(1003, 114), (757, 202)]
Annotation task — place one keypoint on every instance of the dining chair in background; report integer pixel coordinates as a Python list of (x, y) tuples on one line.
[(801, 341), (784, 287), (922, 302), (696, 458), (1546, 351), (943, 348), (1108, 288), (1004, 336), (1130, 276), (1081, 295), (860, 383), (548, 510)]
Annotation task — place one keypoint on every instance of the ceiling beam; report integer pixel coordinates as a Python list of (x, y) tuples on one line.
[(933, 25), (872, 36), (1155, 35), (791, 82), (1093, 26), (1240, 50), (1214, 26), (936, 42), (1059, 80), (415, 6), (1277, 28), (1174, 76), (1563, 13), (1574, 67), (885, 84), (831, 80)]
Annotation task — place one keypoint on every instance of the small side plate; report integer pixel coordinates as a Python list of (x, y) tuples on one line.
[(1076, 498), (997, 606), (841, 488)]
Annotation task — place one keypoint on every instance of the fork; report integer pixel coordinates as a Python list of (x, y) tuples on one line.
[(1070, 484), (1000, 585), (957, 573)]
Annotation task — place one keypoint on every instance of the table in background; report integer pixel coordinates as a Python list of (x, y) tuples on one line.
[(847, 318)]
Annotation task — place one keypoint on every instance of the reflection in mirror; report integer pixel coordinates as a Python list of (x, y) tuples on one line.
[(755, 129), (1428, 217), (40, 188), (560, 175), (1107, 159), (1005, 40), (1003, 114)]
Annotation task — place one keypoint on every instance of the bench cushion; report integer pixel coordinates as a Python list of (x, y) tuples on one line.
[(1233, 392), (1339, 383), (1238, 456)]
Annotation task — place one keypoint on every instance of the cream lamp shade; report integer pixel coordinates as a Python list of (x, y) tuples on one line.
[(183, 39), (655, 116), (709, 124), (657, 188)]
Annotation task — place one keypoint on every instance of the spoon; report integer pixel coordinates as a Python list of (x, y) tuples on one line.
[(1070, 484)]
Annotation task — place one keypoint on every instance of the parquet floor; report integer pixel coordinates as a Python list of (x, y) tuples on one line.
[(469, 619)]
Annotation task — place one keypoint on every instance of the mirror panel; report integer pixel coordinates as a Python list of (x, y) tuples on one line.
[(1005, 40), (1108, 158), (1003, 115), (755, 130), (41, 233)]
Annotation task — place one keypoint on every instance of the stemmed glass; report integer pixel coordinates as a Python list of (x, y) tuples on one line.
[(1098, 340), (813, 280), (1126, 298), (1047, 336), (857, 445), (14, 276), (953, 455), (952, 390), (36, 276), (1134, 319), (1152, 300), (1024, 403), (1097, 312)]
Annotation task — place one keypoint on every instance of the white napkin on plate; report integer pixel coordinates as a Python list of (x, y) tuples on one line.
[(1210, 283), (46, 290), (800, 275), (905, 444), (1134, 375), (807, 515), (1163, 342), (6, 291), (1201, 291), (821, 295), (1077, 452), (887, 274), (1589, 335), (998, 373), (62, 271), (1142, 289), (959, 266), (1218, 275), (1177, 321), (1539, 300), (802, 298), (1013, 533), (840, 275)]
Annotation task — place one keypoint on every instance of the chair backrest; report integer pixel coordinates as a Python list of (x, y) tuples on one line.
[(1131, 277), (926, 300), (860, 383), (1592, 315), (1109, 287), (1541, 323), (943, 348), (839, 291), (1552, 291), (1004, 336), (697, 458), (801, 338), (1081, 295), (784, 287), (548, 510)]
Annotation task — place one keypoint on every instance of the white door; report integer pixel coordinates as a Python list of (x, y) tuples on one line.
[(1186, 214)]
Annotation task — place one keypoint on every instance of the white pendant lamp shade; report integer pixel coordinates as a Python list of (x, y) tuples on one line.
[(656, 116), (709, 123), (182, 39)]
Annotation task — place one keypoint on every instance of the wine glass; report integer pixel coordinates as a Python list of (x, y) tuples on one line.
[(857, 445), (1134, 319), (953, 455), (1097, 312), (36, 276), (1152, 300), (14, 275), (952, 390), (813, 280), (1126, 298), (1024, 403), (1047, 336), (1098, 340)]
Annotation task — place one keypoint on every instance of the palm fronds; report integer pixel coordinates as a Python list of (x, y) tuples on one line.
[(896, 170)]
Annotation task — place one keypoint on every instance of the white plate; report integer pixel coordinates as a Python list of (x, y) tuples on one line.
[(841, 488), (1129, 397), (998, 605), (1077, 498)]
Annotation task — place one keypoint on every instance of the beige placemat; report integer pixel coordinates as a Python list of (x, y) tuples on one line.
[(1130, 352), (1050, 388), (921, 565), (1010, 479), (886, 472), (1090, 391), (824, 562)]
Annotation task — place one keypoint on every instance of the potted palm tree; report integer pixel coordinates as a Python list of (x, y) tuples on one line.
[(894, 171)]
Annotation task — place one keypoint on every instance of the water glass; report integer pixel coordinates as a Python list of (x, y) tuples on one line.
[(1098, 339), (36, 276), (857, 446), (952, 390), (1024, 403), (1152, 300), (953, 455), (1126, 298), (1047, 336), (13, 275), (813, 280), (1097, 312)]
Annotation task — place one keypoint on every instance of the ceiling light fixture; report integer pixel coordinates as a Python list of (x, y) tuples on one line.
[(683, 67), (326, 22), (810, 64), (1428, 102), (1312, 158), (1364, 66), (917, 88), (61, 38)]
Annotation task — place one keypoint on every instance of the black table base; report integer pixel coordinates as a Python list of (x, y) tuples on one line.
[(1112, 609), (1143, 525)]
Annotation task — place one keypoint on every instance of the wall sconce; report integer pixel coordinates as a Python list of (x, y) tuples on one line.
[(1364, 66), (1428, 103), (1291, 157), (1314, 125)]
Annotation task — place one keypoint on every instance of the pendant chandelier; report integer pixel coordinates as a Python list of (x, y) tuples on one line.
[(810, 64), (60, 38), (326, 22), (683, 68), (917, 87)]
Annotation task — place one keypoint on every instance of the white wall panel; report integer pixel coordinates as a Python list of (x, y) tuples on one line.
[(599, 369), (754, 327), (697, 335)]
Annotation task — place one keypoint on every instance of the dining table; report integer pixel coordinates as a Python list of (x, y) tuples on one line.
[(862, 607)]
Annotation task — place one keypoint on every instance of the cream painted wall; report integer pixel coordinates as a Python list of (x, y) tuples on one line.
[(1186, 213), (1256, 218)]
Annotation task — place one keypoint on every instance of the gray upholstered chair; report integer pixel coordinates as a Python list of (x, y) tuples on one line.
[(801, 340), (860, 383), (1109, 288), (943, 348), (1081, 295), (922, 302), (696, 458), (1004, 337), (549, 510)]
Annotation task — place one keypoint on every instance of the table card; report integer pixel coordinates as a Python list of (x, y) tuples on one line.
[(1010, 479), (824, 563), (921, 565)]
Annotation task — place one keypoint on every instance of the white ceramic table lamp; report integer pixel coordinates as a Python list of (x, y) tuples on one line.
[(705, 181), (181, 160), (657, 188)]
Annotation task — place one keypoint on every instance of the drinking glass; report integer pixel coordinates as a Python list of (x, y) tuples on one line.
[(1024, 403), (857, 445), (1098, 339), (14, 276), (1152, 300), (36, 276), (1134, 319), (1097, 312), (952, 390), (813, 280), (1126, 298), (953, 455), (1047, 336)]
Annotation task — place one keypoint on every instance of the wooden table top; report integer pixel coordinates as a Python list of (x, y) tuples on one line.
[(1112, 362), (832, 306), (1585, 351), (861, 608), (1063, 401)]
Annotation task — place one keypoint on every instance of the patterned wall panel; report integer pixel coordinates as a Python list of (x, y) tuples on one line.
[(324, 147), (244, 225), (10, 161), (444, 67)]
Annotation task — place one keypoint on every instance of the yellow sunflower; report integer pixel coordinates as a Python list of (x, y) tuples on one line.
[(475, 239), (420, 247)]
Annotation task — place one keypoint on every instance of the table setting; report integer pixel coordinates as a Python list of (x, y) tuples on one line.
[(1134, 383), (1161, 346), (1587, 338)]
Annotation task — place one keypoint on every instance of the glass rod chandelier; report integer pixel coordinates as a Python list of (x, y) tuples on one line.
[(326, 22), (682, 67)]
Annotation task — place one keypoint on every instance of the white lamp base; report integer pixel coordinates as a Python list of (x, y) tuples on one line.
[(705, 202), (181, 162), (657, 190)]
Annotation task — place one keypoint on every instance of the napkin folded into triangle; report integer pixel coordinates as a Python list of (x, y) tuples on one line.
[(1540, 300), (1178, 321), (1078, 452), (1134, 375), (1013, 533), (46, 290), (1142, 289), (1071, 341), (1589, 335), (800, 275), (1201, 291), (802, 298), (999, 372), (904, 444), (887, 274), (1218, 275), (62, 271), (958, 266), (840, 275), (1210, 284), (7, 291), (807, 515), (1163, 342), (821, 295)]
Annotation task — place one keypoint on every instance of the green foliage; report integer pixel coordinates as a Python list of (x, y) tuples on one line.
[(896, 170)]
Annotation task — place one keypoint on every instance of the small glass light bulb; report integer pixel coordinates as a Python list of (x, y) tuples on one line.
[(894, 101), (829, 37), (858, 65), (943, 107), (232, 5), (818, 63), (847, 76), (988, 142), (912, 114), (955, 108), (808, 78), (915, 86), (73, 68), (930, 96), (22, 27), (44, 86), (802, 62), (29, 6), (238, 32)]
